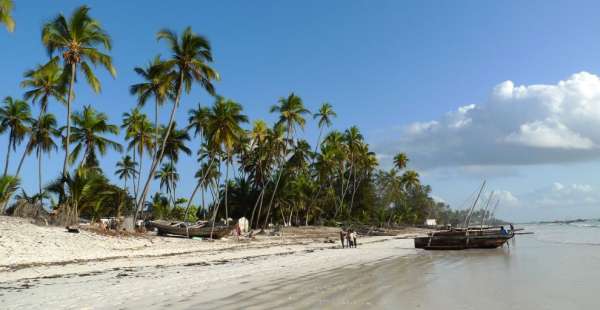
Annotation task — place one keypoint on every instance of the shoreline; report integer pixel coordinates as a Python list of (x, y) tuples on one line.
[(53, 273)]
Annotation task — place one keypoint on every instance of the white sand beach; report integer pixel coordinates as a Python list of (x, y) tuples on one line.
[(47, 266)]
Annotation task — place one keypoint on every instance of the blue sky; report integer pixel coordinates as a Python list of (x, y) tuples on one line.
[(384, 65)]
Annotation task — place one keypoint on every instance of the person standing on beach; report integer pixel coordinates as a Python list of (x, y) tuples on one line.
[(349, 237), (354, 238), (342, 237)]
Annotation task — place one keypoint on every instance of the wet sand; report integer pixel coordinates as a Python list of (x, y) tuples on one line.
[(557, 268), (530, 274)]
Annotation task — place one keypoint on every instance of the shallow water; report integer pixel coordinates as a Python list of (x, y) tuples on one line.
[(556, 268)]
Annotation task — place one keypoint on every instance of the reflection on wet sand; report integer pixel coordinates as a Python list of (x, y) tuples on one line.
[(526, 275)]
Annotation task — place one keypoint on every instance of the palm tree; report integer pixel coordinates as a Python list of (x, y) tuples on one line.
[(158, 82), (400, 161), (81, 190), (324, 115), (176, 142), (190, 54), (6, 7), (126, 170), (139, 131), (8, 185), (291, 114), (168, 177), (88, 128), (45, 82), (224, 132), (410, 179), (198, 120), (43, 134), (15, 116), (78, 39)]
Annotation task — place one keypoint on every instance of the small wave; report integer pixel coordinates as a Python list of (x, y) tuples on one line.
[(586, 224), (569, 242)]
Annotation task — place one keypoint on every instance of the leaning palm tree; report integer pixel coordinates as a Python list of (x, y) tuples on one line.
[(89, 126), (6, 7), (291, 114), (158, 83), (224, 131), (77, 39), (45, 82), (191, 54), (126, 169), (15, 116), (324, 116)]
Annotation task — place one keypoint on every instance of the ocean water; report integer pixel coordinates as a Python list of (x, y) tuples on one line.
[(558, 267)]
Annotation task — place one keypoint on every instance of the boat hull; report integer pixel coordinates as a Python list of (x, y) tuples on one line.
[(459, 240), (177, 229)]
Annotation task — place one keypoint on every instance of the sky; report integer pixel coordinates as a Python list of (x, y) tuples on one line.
[(506, 91)]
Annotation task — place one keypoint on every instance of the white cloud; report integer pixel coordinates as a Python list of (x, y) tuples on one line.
[(516, 125), (549, 134), (560, 195), (557, 195)]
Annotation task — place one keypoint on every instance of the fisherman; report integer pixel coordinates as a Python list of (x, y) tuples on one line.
[(503, 231), (342, 237), (354, 238)]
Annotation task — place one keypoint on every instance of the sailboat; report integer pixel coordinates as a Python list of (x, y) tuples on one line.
[(478, 237)]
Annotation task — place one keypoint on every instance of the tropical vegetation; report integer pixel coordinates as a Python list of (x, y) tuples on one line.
[(269, 173)]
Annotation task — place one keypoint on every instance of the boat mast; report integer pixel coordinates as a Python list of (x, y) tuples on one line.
[(468, 218), (494, 209), (485, 208)]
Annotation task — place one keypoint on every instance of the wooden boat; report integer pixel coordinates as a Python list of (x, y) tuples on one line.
[(203, 229), (461, 239)]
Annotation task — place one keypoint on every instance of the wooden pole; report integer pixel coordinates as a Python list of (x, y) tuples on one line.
[(485, 208), (468, 219)]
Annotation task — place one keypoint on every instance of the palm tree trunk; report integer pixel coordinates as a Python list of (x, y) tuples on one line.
[(226, 188), (318, 142), (10, 138), (156, 133), (262, 192), (39, 155), (215, 211), (22, 159), (135, 190), (68, 141), (158, 158), (197, 187), (281, 165), (139, 174)]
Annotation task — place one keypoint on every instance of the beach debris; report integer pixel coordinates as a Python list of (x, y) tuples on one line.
[(73, 230)]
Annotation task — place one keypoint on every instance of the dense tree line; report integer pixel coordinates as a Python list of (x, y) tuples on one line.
[(265, 172)]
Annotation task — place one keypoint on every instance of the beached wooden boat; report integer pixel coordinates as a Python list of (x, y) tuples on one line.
[(203, 230), (463, 239)]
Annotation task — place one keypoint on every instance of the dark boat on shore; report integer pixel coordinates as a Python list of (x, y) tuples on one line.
[(460, 239), (201, 229)]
